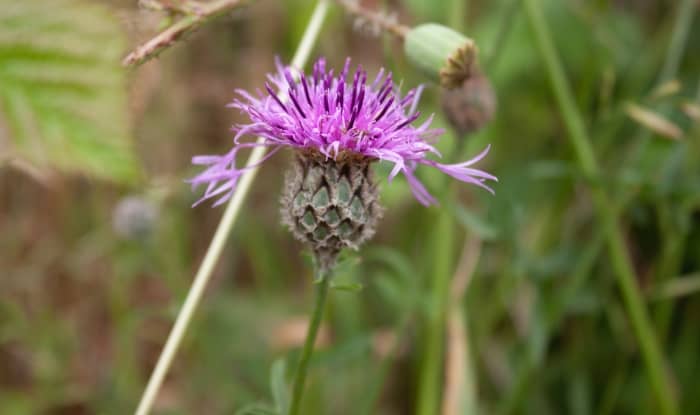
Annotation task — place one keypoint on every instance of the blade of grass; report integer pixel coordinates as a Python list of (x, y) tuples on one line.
[(619, 257), (506, 26), (673, 242), (679, 38), (675, 50), (221, 235)]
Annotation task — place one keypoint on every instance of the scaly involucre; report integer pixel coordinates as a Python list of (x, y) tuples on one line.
[(325, 114)]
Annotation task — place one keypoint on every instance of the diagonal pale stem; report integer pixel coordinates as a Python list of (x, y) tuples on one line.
[(222, 231)]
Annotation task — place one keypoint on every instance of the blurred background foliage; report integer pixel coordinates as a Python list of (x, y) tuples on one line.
[(98, 243)]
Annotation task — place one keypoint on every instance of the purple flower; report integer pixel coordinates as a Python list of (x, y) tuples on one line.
[(329, 115)]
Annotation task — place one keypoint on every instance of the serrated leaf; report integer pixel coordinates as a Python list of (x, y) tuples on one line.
[(63, 99)]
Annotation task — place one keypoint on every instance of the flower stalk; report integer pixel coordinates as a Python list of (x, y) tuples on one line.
[(443, 239), (322, 284)]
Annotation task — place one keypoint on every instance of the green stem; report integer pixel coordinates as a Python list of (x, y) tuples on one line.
[(613, 388), (430, 381), (322, 285), (669, 265), (458, 14), (506, 27), (622, 267), (679, 39)]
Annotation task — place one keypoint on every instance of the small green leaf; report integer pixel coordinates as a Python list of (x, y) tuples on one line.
[(347, 262), (63, 97)]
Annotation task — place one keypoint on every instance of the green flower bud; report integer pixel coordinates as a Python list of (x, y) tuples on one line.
[(330, 204), (444, 55)]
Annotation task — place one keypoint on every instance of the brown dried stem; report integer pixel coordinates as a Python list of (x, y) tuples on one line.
[(196, 14), (173, 6), (384, 22)]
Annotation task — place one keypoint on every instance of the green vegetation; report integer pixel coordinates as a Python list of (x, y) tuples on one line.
[(573, 290)]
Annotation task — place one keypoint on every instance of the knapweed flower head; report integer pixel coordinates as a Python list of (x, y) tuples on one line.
[(334, 118)]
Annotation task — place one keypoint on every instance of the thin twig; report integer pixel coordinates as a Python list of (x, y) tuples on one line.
[(197, 13), (222, 232), (384, 22)]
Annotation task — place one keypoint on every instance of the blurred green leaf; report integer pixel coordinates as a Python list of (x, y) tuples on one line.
[(278, 385), (347, 262), (394, 259), (473, 223), (62, 90), (428, 9), (390, 289), (256, 409)]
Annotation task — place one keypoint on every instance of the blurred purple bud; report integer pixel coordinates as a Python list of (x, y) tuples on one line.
[(134, 217)]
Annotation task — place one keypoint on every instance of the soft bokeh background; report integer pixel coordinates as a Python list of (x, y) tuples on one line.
[(98, 243)]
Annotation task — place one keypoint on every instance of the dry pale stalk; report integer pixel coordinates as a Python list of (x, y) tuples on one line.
[(459, 385)]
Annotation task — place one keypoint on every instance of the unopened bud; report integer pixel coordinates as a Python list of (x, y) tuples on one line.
[(443, 54), (134, 217), (471, 106)]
